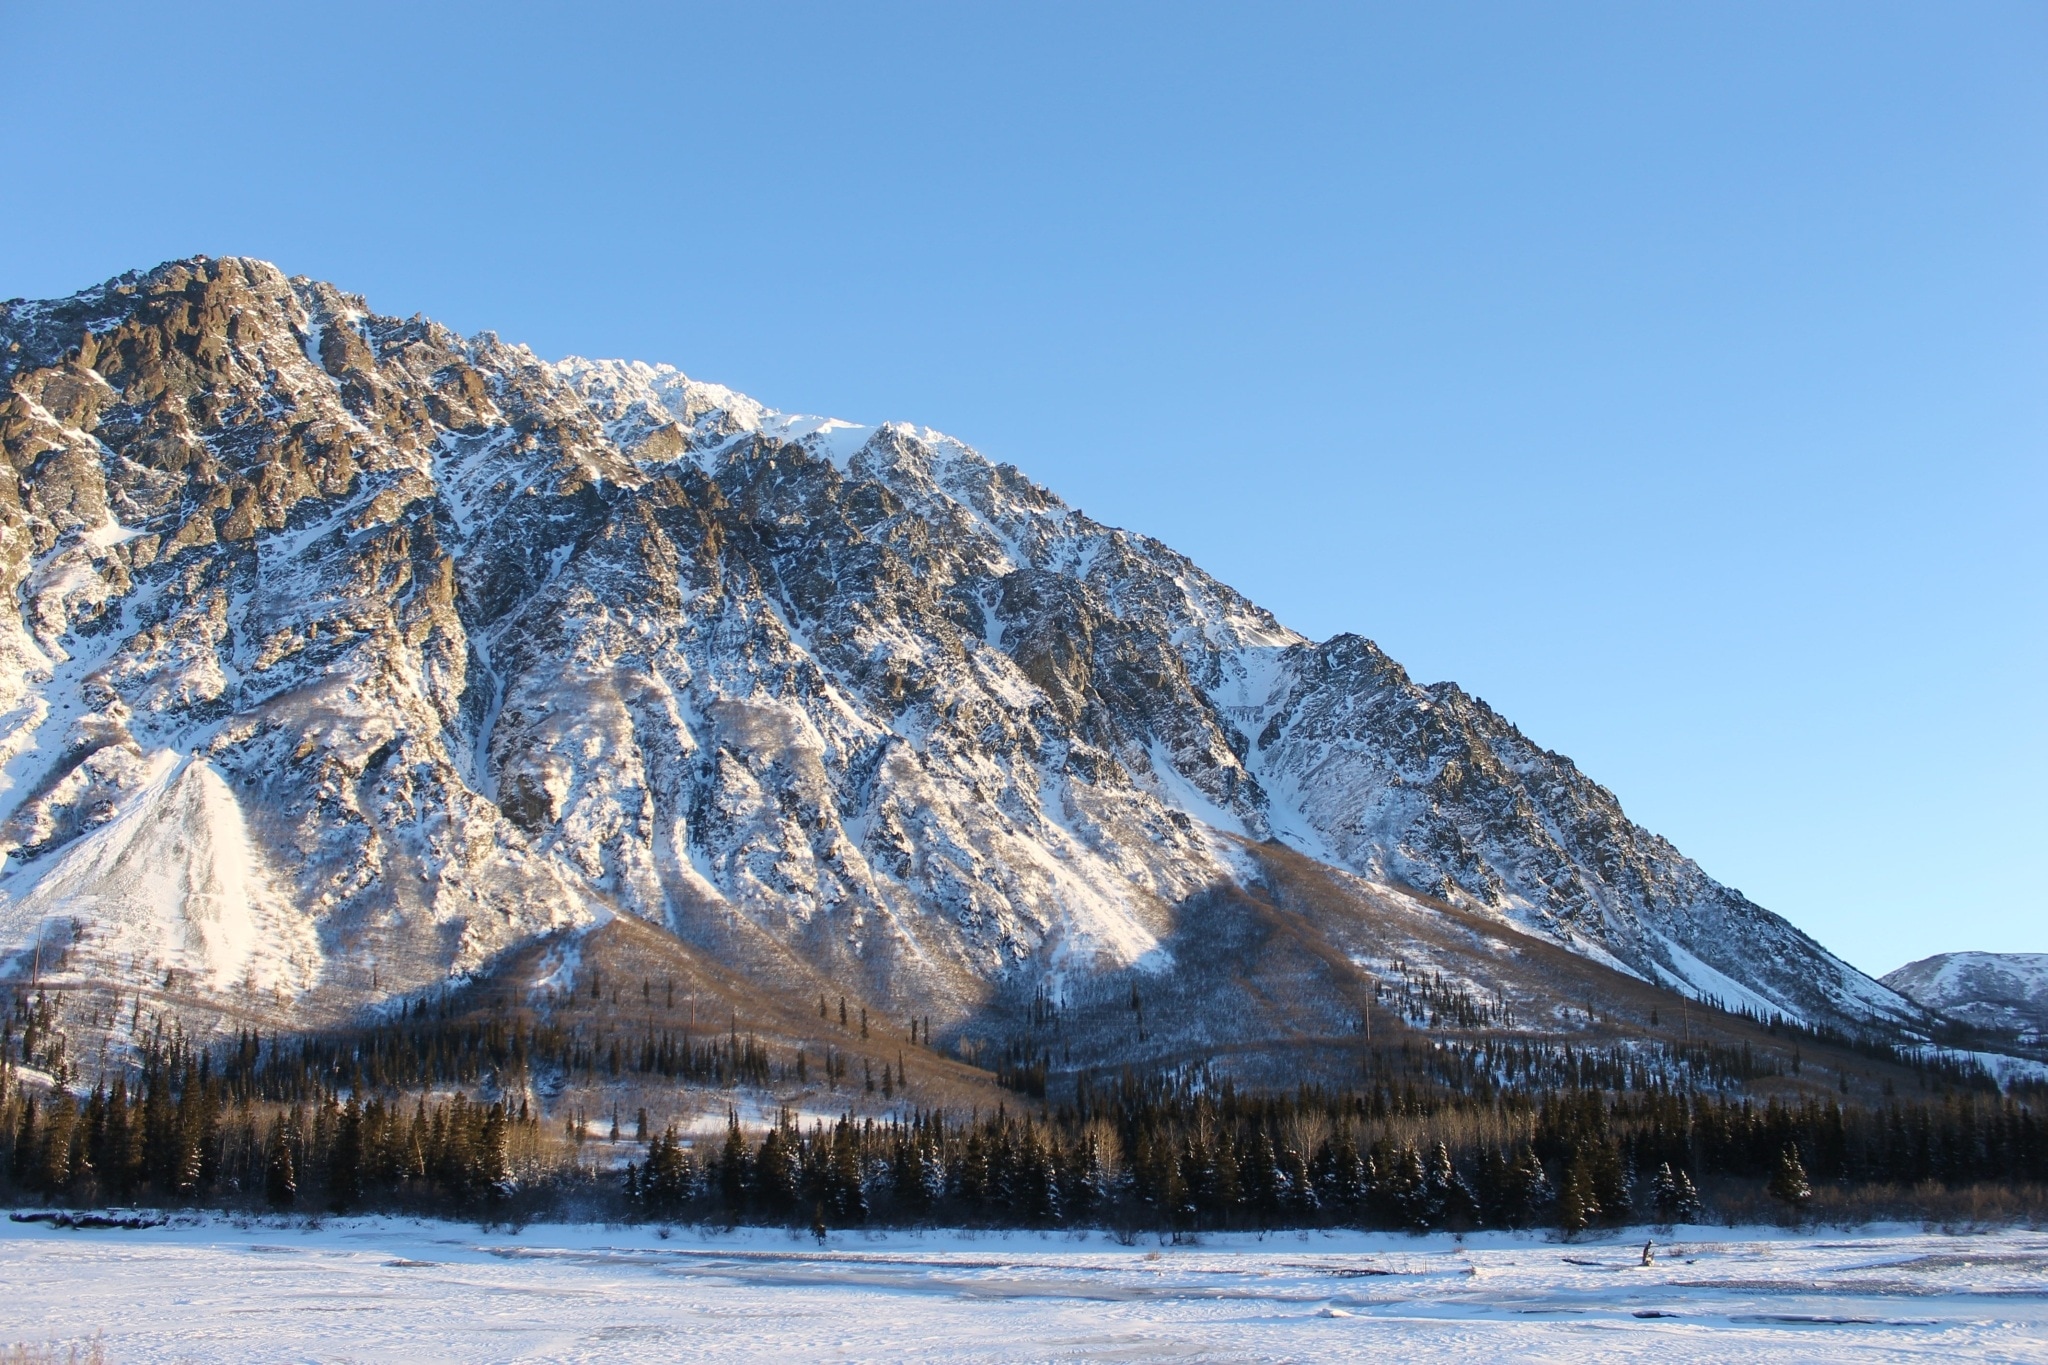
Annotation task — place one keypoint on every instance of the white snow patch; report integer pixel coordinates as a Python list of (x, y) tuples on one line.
[(210, 1289), (1703, 982), (1168, 784), (172, 880)]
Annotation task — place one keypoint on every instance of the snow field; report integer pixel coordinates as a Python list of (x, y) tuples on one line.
[(395, 1290)]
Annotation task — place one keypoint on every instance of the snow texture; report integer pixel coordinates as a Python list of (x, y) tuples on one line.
[(2007, 991), (353, 653), (384, 1290)]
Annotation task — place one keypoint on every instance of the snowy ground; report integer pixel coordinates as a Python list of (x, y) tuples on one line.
[(390, 1290)]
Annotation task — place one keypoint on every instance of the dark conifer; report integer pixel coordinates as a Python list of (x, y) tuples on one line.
[(733, 1169), (1577, 1207), (1259, 1178), (1789, 1185), (280, 1168), (1686, 1208)]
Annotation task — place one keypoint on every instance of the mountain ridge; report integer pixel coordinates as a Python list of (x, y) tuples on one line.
[(2007, 992), (422, 647)]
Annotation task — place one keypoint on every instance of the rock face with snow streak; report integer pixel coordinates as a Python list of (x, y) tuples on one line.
[(351, 652), (2003, 991)]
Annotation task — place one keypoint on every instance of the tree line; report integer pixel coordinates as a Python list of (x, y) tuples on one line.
[(180, 1137), (1143, 1156), (435, 1113)]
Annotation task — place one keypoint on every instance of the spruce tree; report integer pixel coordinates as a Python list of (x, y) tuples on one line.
[(732, 1169), (280, 1168), (84, 1183), (345, 1160), (1347, 1183), (971, 1178), (1449, 1198), (931, 1171), (1090, 1184), (1040, 1192), (1226, 1176), (55, 1173), (1532, 1186), (848, 1199), (1613, 1182), (121, 1155), (1577, 1206), (494, 1151), (1664, 1194), (1788, 1182), (1409, 1188), (775, 1174), (665, 1181), (1686, 1208), (1301, 1198)]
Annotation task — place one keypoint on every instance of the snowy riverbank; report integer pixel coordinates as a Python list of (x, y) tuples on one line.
[(384, 1289)]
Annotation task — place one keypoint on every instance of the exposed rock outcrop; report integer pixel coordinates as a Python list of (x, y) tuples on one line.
[(448, 646)]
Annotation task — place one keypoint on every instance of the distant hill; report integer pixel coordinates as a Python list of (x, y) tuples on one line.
[(2004, 991)]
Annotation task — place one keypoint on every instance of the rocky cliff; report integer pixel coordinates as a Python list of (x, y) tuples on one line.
[(350, 653)]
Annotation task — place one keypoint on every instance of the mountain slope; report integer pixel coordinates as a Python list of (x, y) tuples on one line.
[(2003, 991), (352, 653)]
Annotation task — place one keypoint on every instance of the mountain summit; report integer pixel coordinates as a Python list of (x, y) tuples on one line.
[(2005, 992), (352, 653)]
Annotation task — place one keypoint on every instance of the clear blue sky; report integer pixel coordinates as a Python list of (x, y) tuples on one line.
[(1673, 377)]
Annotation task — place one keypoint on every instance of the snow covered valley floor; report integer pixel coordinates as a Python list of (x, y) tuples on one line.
[(397, 1290)]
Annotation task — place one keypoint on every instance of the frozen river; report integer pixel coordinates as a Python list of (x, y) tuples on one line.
[(392, 1290)]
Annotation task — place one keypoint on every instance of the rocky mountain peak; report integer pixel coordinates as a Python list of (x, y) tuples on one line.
[(352, 652)]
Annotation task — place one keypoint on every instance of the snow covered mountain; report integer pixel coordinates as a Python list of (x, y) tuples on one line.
[(2003, 991), (351, 653)]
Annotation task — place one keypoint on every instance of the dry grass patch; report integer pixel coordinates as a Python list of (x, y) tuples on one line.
[(92, 1352)]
